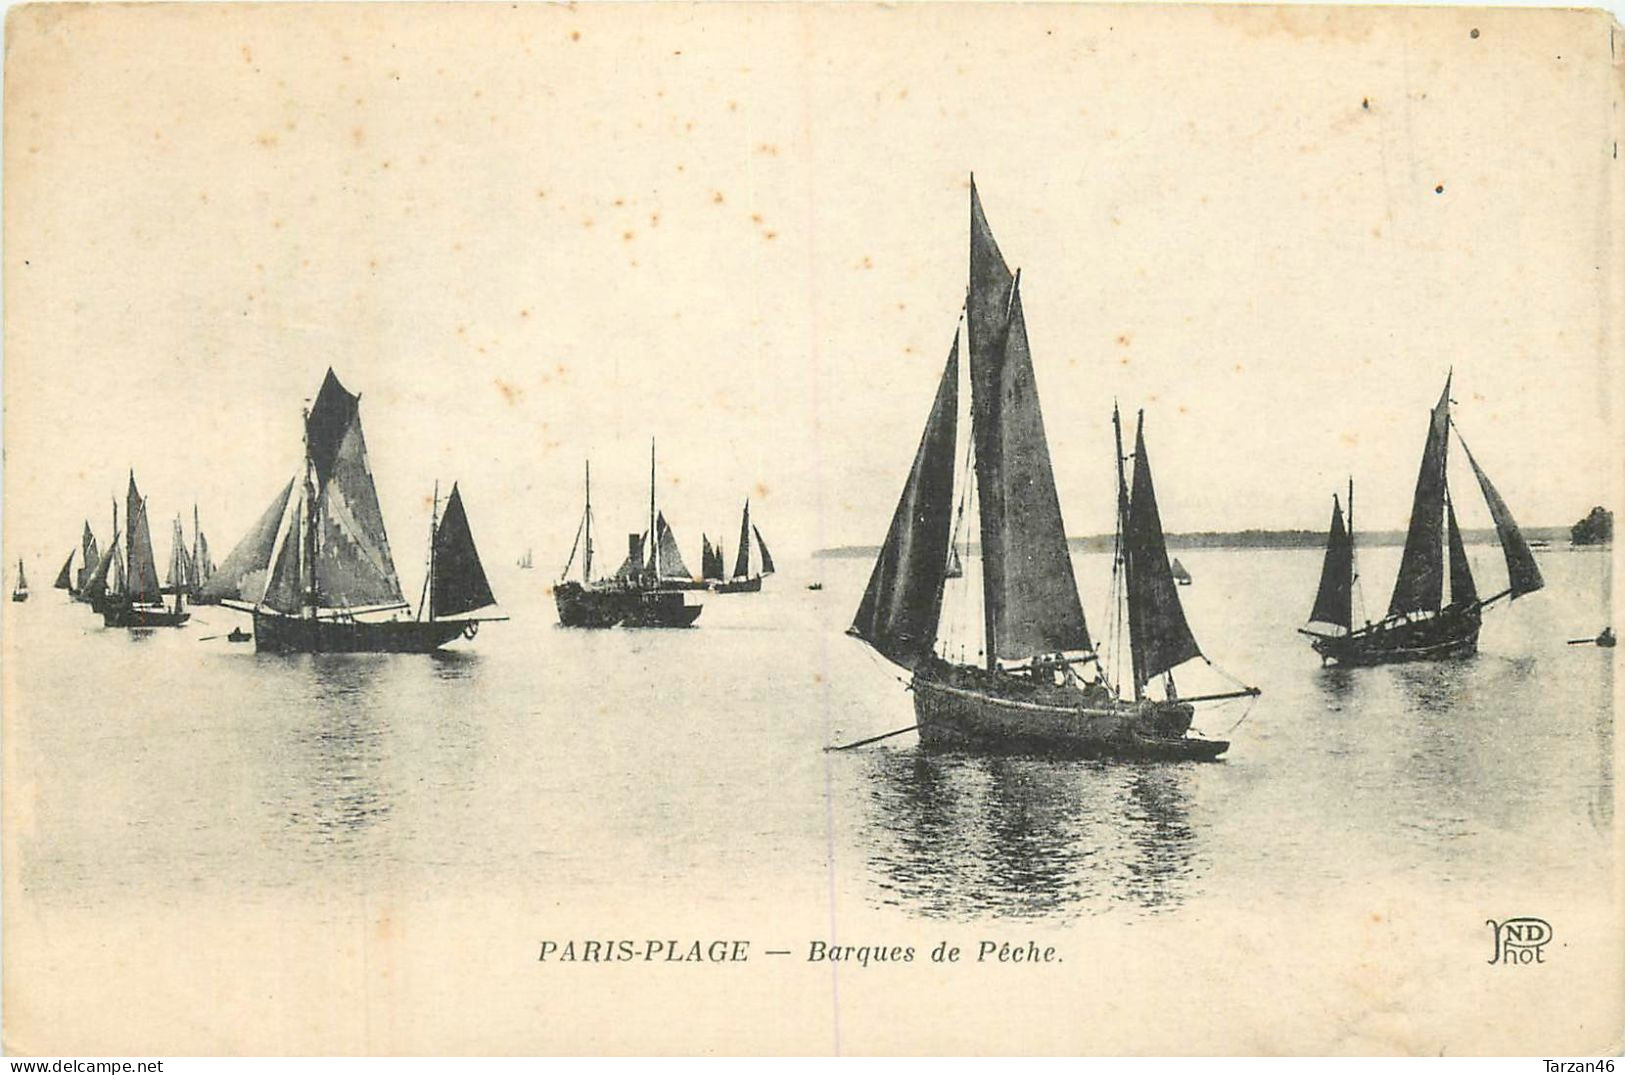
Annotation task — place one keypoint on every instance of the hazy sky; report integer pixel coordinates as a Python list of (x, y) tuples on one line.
[(532, 235)]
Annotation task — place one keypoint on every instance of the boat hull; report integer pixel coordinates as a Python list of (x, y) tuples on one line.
[(581, 607), (19, 596), (120, 614), (1452, 633), (979, 713), (297, 634), (595, 607), (660, 608), (750, 585)]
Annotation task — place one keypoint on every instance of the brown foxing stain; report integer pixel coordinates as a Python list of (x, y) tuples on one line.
[(267, 140), (541, 193), (1183, 409), (716, 197), (1124, 339), (524, 313), (1123, 361), (767, 149), (770, 235), (586, 222), (628, 236), (756, 218), (869, 263), (733, 106), (575, 35), (358, 137), (761, 489), (1237, 367), (654, 220), (619, 202), (248, 54)]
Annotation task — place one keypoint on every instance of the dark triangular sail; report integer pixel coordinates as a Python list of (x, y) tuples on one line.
[(1158, 633), (899, 611), (671, 558), (242, 574), (1030, 596), (459, 583), (767, 557), (710, 560), (1334, 602), (1523, 574), (142, 583), (1463, 591), (64, 578), (96, 582), (116, 585), (742, 558), (1420, 586)]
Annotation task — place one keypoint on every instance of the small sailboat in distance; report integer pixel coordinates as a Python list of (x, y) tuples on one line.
[(1181, 576), (525, 561), (1422, 623), (330, 584), (139, 601), (1032, 694), (19, 592), (753, 562)]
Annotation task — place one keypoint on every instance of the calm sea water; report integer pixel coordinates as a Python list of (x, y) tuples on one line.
[(689, 766)]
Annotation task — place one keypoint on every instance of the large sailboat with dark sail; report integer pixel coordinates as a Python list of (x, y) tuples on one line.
[(651, 588), (329, 581), (138, 601), (1043, 686), (1435, 611), (752, 562)]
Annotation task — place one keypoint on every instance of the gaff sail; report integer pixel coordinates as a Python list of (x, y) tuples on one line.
[(1420, 585), (142, 584)]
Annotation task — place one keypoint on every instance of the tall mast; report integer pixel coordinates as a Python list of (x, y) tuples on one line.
[(308, 538), (654, 539), (197, 533), (586, 561), (428, 582), (1123, 547)]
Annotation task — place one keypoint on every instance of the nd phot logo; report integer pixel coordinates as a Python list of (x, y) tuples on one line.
[(1520, 940)]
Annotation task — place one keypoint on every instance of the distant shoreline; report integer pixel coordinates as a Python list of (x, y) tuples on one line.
[(1558, 536)]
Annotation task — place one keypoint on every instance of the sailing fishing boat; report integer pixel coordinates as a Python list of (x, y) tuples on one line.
[(1181, 576), (64, 578), (329, 581), (19, 592), (753, 562), (711, 562), (89, 557), (1030, 695), (649, 589), (199, 565), (179, 577), (525, 562), (1422, 623), (139, 600)]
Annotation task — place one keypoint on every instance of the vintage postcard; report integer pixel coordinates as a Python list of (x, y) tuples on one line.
[(811, 528)]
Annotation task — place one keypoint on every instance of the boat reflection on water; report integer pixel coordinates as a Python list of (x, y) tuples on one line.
[(963, 835), (336, 778)]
